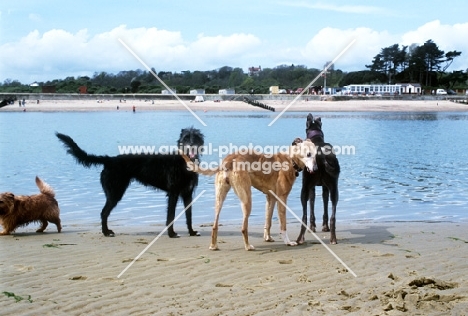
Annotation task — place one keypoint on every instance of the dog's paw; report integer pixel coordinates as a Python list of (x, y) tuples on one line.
[(214, 247), (286, 239), (194, 233), (301, 240), (249, 248), (269, 239), (109, 233), (174, 235)]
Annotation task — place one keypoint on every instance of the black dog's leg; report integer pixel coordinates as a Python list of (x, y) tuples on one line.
[(312, 206), (325, 195), (334, 200), (172, 199), (187, 198), (304, 199), (114, 189), (104, 215)]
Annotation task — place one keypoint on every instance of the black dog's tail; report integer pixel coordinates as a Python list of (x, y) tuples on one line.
[(80, 155)]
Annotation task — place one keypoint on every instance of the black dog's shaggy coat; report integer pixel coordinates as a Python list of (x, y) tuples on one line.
[(326, 176), (167, 172)]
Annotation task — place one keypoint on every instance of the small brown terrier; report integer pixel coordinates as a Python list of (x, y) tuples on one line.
[(20, 210)]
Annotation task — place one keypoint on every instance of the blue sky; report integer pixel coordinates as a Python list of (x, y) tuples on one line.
[(44, 40)]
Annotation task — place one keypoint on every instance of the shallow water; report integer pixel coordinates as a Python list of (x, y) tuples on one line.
[(406, 166)]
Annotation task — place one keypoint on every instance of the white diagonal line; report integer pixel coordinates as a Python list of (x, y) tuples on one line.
[(157, 237), (162, 82), (312, 82), (316, 237)]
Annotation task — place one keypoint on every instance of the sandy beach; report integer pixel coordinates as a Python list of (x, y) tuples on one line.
[(416, 268), (298, 106)]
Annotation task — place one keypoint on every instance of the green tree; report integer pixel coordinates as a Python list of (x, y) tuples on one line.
[(432, 57), (135, 84), (236, 78), (363, 77), (247, 85), (389, 61), (454, 79)]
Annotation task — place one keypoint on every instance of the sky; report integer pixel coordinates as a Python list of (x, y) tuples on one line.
[(51, 39)]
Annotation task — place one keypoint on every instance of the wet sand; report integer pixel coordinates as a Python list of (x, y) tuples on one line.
[(419, 268)]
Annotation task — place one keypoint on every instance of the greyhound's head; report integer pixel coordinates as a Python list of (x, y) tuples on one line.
[(314, 128), (313, 123), (304, 154)]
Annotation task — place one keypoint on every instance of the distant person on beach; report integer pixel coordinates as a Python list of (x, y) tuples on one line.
[(134, 109)]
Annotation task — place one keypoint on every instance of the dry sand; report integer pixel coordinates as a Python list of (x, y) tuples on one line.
[(401, 268), (299, 106)]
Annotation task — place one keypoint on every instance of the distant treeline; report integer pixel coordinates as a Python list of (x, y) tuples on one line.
[(425, 64)]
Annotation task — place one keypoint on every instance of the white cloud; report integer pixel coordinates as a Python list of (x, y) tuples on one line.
[(330, 42), (446, 37), (35, 53), (57, 54), (221, 50)]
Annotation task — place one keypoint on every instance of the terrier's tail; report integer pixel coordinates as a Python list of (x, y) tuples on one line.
[(44, 187)]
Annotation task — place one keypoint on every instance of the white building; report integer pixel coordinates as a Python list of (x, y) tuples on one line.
[(199, 98), (227, 91), (172, 91), (197, 91), (382, 89), (411, 88)]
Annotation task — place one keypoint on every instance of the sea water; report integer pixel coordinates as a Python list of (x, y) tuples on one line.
[(394, 166)]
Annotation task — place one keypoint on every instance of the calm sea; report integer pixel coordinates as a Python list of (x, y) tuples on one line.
[(405, 166)]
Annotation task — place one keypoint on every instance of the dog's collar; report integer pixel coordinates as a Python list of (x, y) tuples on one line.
[(296, 167), (314, 133)]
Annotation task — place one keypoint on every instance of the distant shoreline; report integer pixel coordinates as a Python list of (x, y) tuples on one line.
[(222, 97), (307, 105)]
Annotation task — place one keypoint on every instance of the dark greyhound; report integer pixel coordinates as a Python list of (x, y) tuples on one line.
[(166, 172), (325, 176)]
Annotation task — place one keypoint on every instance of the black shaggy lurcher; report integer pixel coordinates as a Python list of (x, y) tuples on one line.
[(166, 172)]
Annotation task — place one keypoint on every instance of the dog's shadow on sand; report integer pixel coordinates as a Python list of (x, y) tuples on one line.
[(373, 234), (53, 234), (377, 234)]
